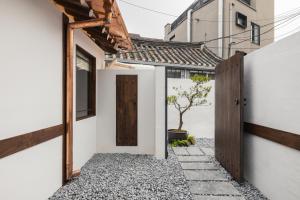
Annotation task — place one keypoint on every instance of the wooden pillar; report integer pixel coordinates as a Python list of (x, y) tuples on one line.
[(69, 104)]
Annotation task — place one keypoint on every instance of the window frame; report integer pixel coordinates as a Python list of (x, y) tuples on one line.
[(91, 84), (248, 2), (238, 16), (172, 38), (252, 35)]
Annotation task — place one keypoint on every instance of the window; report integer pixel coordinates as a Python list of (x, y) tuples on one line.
[(85, 84), (255, 33), (193, 73), (211, 75), (241, 20), (175, 73), (246, 2), (172, 38)]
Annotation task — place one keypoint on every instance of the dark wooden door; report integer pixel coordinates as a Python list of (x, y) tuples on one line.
[(126, 110), (229, 115)]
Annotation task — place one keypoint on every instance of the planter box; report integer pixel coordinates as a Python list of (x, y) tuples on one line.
[(174, 134)]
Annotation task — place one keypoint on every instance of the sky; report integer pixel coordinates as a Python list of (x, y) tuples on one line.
[(149, 24)]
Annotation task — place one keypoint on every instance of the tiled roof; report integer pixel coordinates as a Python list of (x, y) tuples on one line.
[(162, 53)]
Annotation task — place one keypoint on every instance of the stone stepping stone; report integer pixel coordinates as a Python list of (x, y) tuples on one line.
[(193, 159), (198, 165), (213, 188), (180, 151), (200, 197), (194, 151), (208, 151), (204, 175)]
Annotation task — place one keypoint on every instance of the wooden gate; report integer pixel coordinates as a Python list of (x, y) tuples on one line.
[(229, 115), (126, 110)]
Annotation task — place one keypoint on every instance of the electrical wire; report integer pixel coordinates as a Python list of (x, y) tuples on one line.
[(285, 20), (207, 20), (269, 30), (229, 36)]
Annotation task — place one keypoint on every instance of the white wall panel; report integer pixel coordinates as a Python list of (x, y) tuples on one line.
[(271, 88), (199, 120), (31, 96), (106, 112)]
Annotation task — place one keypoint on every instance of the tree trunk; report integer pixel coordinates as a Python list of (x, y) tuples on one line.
[(180, 121)]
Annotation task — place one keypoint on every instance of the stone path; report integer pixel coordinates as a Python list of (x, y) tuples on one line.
[(205, 178)]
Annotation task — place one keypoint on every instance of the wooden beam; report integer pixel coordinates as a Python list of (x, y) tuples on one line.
[(21, 142), (87, 23), (282, 137)]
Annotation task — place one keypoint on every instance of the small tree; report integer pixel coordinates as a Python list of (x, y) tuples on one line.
[(196, 95)]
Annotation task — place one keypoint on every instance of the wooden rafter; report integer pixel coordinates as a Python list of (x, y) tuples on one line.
[(107, 14)]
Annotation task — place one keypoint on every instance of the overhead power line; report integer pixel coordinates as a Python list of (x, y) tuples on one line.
[(246, 31), (206, 20), (282, 22), (151, 10), (286, 22)]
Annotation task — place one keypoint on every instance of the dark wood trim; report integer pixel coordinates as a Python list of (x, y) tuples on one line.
[(282, 137), (65, 22), (166, 113), (85, 117), (18, 143)]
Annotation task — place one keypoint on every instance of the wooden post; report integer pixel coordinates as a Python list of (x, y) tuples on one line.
[(69, 104), (69, 90)]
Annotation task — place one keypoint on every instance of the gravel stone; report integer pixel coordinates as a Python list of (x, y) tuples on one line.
[(125, 176)]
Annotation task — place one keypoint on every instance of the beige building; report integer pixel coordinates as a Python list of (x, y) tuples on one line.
[(242, 25)]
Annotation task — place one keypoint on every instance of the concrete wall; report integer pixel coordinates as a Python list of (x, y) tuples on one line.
[(180, 33), (31, 96), (106, 112), (271, 88), (85, 130), (200, 120), (261, 13)]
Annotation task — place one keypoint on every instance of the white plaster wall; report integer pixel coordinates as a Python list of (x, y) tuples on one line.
[(160, 106), (200, 120), (35, 173), (106, 112), (271, 88), (31, 96), (84, 135)]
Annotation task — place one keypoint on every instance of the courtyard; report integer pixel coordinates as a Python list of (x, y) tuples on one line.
[(189, 173)]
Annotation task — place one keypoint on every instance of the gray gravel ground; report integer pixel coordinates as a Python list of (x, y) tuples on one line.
[(124, 176), (248, 191)]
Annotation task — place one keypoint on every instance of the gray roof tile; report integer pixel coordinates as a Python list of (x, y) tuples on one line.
[(159, 52)]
